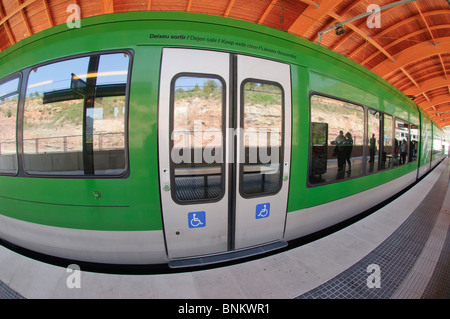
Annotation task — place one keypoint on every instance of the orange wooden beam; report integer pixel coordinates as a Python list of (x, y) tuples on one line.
[(359, 26), (309, 18), (443, 66), (397, 41), (267, 11), (412, 54), (409, 77), (364, 35), (443, 99), (229, 7), (444, 107), (314, 3), (430, 73), (347, 36), (442, 122), (442, 114), (25, 19), (49, 15), (426, 23), (409, 20), (348, 9), (7, 29), (428, 85), (17, 10), (189, 5), (398, 25), (108, 6)]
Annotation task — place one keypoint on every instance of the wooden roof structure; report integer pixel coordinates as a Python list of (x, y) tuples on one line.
[(410, 48)]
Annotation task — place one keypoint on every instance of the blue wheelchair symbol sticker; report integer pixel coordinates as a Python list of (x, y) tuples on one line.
[(197, 219), (262, 210)]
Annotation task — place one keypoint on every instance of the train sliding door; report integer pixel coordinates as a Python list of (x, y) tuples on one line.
[(264, 119), (193, 108), (223, 151)]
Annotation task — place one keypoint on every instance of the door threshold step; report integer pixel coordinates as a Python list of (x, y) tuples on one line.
[(226, 256)]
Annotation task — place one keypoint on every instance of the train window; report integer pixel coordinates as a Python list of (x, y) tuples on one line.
[(9, 97), (262, 124), (337, 140), (74, 116), (438, 144), (197, 124), (414, 144), (402, 147), (387, 147), (373, 141)]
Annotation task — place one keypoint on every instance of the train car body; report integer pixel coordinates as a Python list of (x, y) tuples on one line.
[(148, 138)]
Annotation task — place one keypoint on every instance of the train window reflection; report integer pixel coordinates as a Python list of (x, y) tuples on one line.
[(9, 97), (262, 124), (74, 116), (197, 155), (414, 144), (373, 141), (387, 147), (402, 147), (337, 140), (438, 148)]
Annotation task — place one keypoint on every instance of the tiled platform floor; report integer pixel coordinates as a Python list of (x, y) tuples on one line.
[(8, 293), (407, 259), (407, 239)]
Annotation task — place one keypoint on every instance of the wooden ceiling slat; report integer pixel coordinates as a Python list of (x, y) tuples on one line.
[(25, 20), (412, 54), (365, 36), (108, 6), (343, 13), (229, 7), (428, 85), (409, 77), (307, 20), (49, 15), (426, 23), (6, 27), (267, 11), (17, 10), (436, 102), (189, 5), (443, 66), (398, 41), (400, 25)]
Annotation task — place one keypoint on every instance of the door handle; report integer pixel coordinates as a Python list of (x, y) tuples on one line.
[(165, 179), (286, 171)]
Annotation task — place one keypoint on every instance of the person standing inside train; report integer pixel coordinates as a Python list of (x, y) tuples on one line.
[(403, 150), (348, 147), (340, 140), (372, 148)]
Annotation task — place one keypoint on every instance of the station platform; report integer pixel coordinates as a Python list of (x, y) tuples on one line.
[(401, 251)]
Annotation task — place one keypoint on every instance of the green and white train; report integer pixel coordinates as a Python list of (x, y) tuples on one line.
[(184, 139)]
